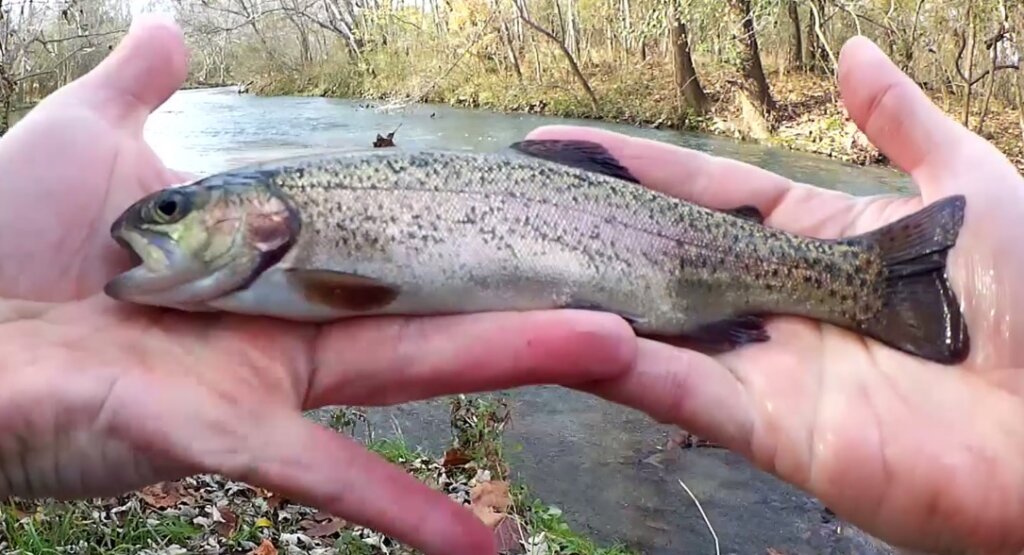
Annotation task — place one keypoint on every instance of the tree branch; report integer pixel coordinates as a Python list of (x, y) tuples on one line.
[(572, 61)]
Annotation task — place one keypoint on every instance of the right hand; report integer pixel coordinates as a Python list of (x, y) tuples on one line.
[(99, 398), (920, 454)]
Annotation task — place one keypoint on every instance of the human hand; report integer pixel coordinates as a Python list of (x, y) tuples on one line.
[(98, 398), (920, 454)]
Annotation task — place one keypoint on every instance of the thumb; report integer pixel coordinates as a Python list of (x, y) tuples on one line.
[(941, 155), (141, 73)]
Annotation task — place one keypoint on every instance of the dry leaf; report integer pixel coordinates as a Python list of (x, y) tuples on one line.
[(326, 528), (455, 457), (15, 512), (263, 522), (265, 548), (274, 501), (489, 501), (230, 524), (163, 495), (509, 536)]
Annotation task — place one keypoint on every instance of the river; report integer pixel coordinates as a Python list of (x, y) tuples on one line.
[(600, 463)]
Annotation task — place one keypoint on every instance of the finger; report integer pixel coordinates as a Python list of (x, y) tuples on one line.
[(905, 125), (391, 360), (722, 183), (316, 466), (684, 388), (268, 445), (142, 72)]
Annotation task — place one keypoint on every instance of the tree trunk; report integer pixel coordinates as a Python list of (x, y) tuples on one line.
[(507, 36), (7, 91), (688, 87), (750, 58), (816, 57), (797, 55)]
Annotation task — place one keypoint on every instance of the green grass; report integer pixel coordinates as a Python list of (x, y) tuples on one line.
[(53, 527), (395, 450)]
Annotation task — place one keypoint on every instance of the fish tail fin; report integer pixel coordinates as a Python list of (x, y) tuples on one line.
[(920, 312)]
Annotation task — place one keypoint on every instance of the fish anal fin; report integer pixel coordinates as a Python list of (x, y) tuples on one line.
[(580, 154), (729, 333), (343, 291), (746, 212), (632, 319)]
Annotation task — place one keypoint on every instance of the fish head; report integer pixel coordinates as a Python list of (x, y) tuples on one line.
[(203, 240)]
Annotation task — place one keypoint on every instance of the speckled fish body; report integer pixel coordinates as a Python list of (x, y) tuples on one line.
[(545, 224)]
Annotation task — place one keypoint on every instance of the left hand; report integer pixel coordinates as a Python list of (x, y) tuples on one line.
[(98, 398), (922, 455)]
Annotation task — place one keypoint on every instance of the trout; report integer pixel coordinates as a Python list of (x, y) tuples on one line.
[(542, 224)]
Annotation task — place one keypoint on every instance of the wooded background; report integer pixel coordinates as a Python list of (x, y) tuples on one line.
[(679, 63)]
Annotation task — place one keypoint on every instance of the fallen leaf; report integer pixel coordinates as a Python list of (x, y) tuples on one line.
[(162, 495), (15, 512), (265, 548), (263, 522), (326, 528), (773, 551), (274, 501), (489, 501), (229, 525), (509, 537), (455, 457)]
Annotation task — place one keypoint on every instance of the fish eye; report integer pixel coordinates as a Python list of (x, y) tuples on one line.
[(170, 207), (167, 207)]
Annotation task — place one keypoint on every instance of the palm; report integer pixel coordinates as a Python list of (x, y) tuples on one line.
[(101, 397), (882, 437), (922, 454)]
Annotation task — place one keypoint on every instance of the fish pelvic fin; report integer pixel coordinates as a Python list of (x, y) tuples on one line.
[(746, 212), (920, 312)]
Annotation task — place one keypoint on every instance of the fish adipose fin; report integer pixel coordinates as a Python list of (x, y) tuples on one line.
[(920, 312), (593, 157)]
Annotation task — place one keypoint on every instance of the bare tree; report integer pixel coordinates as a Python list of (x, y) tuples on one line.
[(754, 79), (688, 85)]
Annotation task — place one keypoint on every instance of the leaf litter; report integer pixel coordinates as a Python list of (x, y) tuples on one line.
[(208, 514)]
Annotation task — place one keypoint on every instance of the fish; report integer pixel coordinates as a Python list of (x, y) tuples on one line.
[(535, 225)]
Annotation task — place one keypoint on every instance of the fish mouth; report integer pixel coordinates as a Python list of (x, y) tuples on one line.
[(133, 256), (153, 257)]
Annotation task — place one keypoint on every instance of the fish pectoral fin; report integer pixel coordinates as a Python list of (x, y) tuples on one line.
[(343, 291), (746, 212), (633, 319), (584, 155), (730, 332)]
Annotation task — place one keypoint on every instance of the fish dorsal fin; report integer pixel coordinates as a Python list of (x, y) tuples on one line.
[(584, 155), (746, 212)]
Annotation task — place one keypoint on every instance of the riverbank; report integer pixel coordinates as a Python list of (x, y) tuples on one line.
[(811, 117), (208, 513)]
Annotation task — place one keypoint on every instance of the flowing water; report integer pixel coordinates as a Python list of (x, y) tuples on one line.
[(602, 464)]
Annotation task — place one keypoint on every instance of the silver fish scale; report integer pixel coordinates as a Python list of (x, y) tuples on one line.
[(454, 230)]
